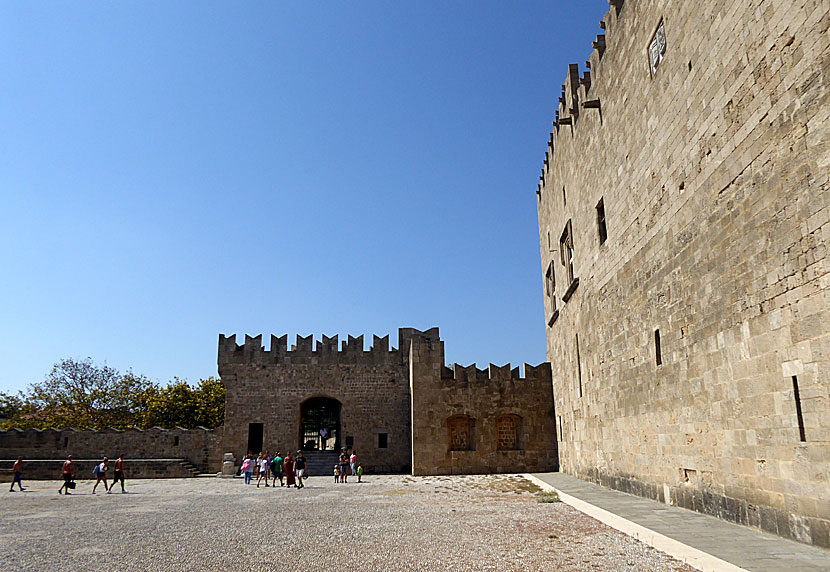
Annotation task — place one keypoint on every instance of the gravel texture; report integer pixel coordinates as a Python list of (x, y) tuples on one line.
[(388, 523)]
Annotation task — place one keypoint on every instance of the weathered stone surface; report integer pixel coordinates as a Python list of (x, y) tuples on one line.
[(712, 169), (201, 447), (407, 395)]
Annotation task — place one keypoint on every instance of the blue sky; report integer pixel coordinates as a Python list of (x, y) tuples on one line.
[(170, 171)]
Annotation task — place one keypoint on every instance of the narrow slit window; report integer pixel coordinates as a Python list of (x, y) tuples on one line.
[(658, 352), (601, 228), (802, 435), (578, 366), (383, 440)]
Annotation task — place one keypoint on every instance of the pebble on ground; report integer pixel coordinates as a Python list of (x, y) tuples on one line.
[(389, 523)]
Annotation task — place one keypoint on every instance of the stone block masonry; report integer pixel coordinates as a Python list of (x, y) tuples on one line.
[(684, 217), (466, 420), (400, 409), (201, 447)]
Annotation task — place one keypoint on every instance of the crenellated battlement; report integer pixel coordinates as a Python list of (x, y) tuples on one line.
[(470, 373), (576, 93), (327, 350)]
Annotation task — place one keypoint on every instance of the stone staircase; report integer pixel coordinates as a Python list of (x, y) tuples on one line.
[(320, 463)]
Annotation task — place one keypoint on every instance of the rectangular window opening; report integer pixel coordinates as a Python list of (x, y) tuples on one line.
[(350, 441), (802, 435), (65, 442), (176, 441), (658, 353), (566, 252), (601, 228), (383, 440), (550, 287)]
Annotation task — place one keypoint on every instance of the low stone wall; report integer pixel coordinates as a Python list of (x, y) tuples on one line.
[(200, 446), (50, 469)]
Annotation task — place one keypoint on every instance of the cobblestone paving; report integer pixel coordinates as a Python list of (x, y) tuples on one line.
[(388, 523)]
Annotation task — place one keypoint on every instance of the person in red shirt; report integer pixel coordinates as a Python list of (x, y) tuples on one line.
[(68, 471), (18, 473), (119, 473)]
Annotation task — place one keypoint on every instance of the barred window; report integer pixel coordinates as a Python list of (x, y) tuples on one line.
[(461, 433), (509, 432)]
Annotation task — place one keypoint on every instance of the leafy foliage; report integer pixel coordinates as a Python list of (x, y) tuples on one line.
[(83, 395)]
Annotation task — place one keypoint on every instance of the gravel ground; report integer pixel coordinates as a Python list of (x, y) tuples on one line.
[(387, 523)]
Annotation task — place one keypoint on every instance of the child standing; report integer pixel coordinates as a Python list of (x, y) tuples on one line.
[(359, 472), (337, 473)]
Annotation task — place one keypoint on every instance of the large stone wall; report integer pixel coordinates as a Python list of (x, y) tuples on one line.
[(481, 401), (270, 386), (201, 447), (713, 173)]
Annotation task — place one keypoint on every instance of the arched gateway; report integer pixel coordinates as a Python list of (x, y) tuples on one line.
[(320, 424)]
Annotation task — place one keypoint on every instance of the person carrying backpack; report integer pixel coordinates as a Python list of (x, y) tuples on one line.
[(100, 474)]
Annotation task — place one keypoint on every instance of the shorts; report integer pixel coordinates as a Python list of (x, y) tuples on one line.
[(344, 469), (277, 474), (17, 476), (118, 476), (300, 473), (67, 477)]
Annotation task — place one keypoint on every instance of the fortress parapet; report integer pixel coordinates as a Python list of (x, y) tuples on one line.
[(471, 373), (327, 351)]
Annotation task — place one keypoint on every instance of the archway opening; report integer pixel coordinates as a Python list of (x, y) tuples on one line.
[(320, 424)]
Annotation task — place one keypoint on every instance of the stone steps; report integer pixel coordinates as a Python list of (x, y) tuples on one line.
[(320, 463)]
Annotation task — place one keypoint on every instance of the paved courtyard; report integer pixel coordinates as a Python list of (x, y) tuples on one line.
[(388, 523)]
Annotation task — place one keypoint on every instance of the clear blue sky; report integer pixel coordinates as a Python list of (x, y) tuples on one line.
[(173, 170)]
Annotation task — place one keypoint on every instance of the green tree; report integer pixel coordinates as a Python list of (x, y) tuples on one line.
[(180, 404), (83, 395)]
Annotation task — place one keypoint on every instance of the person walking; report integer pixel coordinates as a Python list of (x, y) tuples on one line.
[(353, 463), (100, 474), (299, 469), (248, 468), (288, 463), (17, 469), (276, 469), (262, 462), (119, 472), (67, 474), (344, 465)]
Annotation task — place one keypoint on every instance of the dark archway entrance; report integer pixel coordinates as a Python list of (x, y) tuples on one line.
[(320, 424)]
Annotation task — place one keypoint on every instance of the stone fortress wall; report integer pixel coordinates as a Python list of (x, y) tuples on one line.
[(380, 392), (200, 447), (468, 420), (270, 386), (684, 217)]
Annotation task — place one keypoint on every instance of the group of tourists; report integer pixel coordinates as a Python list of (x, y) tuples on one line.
[(291, 470), (346, 465), (99, 473)]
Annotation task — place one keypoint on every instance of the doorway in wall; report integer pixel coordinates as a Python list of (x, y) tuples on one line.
[(320, 424), (255, 438)]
